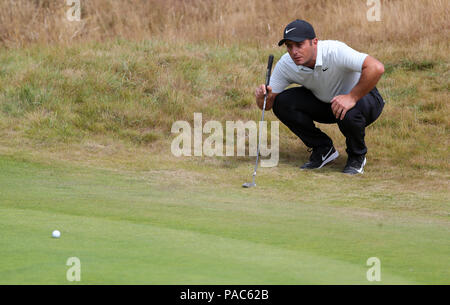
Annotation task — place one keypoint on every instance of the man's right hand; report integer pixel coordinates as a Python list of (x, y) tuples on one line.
[(259, 94)]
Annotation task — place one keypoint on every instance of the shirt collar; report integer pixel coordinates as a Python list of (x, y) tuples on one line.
[(319, 59)]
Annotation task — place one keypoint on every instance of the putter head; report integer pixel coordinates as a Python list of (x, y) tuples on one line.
[(248, 184)]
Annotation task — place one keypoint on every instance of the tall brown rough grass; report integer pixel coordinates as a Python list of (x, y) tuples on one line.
[(420, 23), (160, 61)]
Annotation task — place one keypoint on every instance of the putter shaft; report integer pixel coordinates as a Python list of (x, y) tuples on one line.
[(269, 69)]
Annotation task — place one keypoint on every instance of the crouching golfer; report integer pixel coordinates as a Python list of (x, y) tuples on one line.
[(338, 86)]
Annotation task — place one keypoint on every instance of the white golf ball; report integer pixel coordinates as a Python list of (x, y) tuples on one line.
[(56, 234)]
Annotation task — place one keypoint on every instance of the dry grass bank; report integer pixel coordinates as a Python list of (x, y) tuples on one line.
[(419, 23)]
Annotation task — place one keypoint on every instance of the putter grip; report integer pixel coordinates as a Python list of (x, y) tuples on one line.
[(269, 69)]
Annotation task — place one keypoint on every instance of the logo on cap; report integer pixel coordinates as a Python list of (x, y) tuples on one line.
[(298, 31), (287, 31)]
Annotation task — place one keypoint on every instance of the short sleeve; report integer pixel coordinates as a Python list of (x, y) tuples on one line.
[(279, 80), (349, 59)]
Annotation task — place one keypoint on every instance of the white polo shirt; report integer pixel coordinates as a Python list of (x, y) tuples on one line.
[(337, 70)]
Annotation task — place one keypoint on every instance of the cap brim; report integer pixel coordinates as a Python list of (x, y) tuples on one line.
[(296, 39)]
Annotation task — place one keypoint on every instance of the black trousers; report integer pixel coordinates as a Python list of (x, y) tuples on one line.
[(298, 108)]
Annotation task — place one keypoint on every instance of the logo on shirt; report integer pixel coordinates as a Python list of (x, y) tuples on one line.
[(325, 69)]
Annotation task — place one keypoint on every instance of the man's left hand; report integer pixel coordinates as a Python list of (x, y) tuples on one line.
[(340, 104)]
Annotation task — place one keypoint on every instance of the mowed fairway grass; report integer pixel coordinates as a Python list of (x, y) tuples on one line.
[(184, 226)]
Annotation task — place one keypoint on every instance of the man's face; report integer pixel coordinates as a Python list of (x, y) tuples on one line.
[(303, 53)]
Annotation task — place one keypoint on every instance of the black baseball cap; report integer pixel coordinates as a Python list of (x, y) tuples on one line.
[(297, 31)]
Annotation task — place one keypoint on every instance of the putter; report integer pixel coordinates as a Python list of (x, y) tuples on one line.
[(269, 69)]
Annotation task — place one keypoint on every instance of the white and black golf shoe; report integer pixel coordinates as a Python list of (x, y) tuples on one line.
[(355, 165), (320, 156)]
